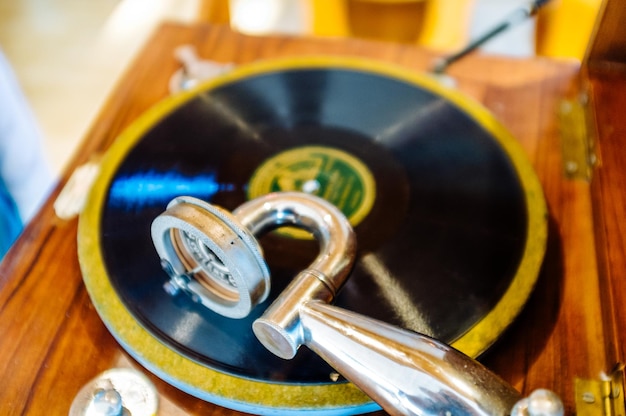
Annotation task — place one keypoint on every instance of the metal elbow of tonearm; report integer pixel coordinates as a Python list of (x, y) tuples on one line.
[(213, 256)]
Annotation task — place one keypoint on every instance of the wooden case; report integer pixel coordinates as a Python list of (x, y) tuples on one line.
[(52, 341)]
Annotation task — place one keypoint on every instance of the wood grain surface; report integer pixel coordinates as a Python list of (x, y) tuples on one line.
[(52, 341), (607, 90)]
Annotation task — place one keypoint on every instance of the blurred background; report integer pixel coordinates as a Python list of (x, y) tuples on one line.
[(64, 56)]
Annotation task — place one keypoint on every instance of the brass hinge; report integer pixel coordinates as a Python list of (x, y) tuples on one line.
[(603, 397), (577, 135)]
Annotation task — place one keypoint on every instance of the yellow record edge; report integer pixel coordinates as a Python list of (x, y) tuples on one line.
[(246, 394)]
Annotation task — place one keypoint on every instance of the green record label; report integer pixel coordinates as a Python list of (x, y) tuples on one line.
[(329, 173)]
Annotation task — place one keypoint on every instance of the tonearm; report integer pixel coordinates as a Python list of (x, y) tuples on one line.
[(214, 257)]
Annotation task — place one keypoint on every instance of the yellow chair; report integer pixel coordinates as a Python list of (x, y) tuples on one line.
[(214, 11), (329, 18), (446, 24), (405, 21), (563, 26)]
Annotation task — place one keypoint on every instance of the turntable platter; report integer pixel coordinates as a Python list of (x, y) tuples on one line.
[(449, 216)]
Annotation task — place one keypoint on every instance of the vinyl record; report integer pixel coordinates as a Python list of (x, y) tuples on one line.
[(449, 216)]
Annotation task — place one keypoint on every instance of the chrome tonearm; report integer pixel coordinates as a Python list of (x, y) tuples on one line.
[(213, 256)]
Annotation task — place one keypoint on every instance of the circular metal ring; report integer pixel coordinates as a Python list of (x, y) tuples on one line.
[(226, 272)]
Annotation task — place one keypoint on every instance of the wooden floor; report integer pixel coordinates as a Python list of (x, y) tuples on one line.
[(67, 55)]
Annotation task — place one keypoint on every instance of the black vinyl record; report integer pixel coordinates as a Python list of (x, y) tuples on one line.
[(449, 217)]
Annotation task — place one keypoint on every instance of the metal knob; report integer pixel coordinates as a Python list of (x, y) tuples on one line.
[(541, 402), (116, 392)]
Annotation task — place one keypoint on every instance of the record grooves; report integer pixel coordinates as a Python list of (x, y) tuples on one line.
[(450, 219)]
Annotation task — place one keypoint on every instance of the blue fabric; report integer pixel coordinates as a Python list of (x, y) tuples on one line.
[(24, 171), (10, 222)]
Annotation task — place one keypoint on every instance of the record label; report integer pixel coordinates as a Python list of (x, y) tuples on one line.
[(329, 173)]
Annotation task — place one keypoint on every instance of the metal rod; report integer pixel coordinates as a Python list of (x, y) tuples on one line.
[(518, 16)]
